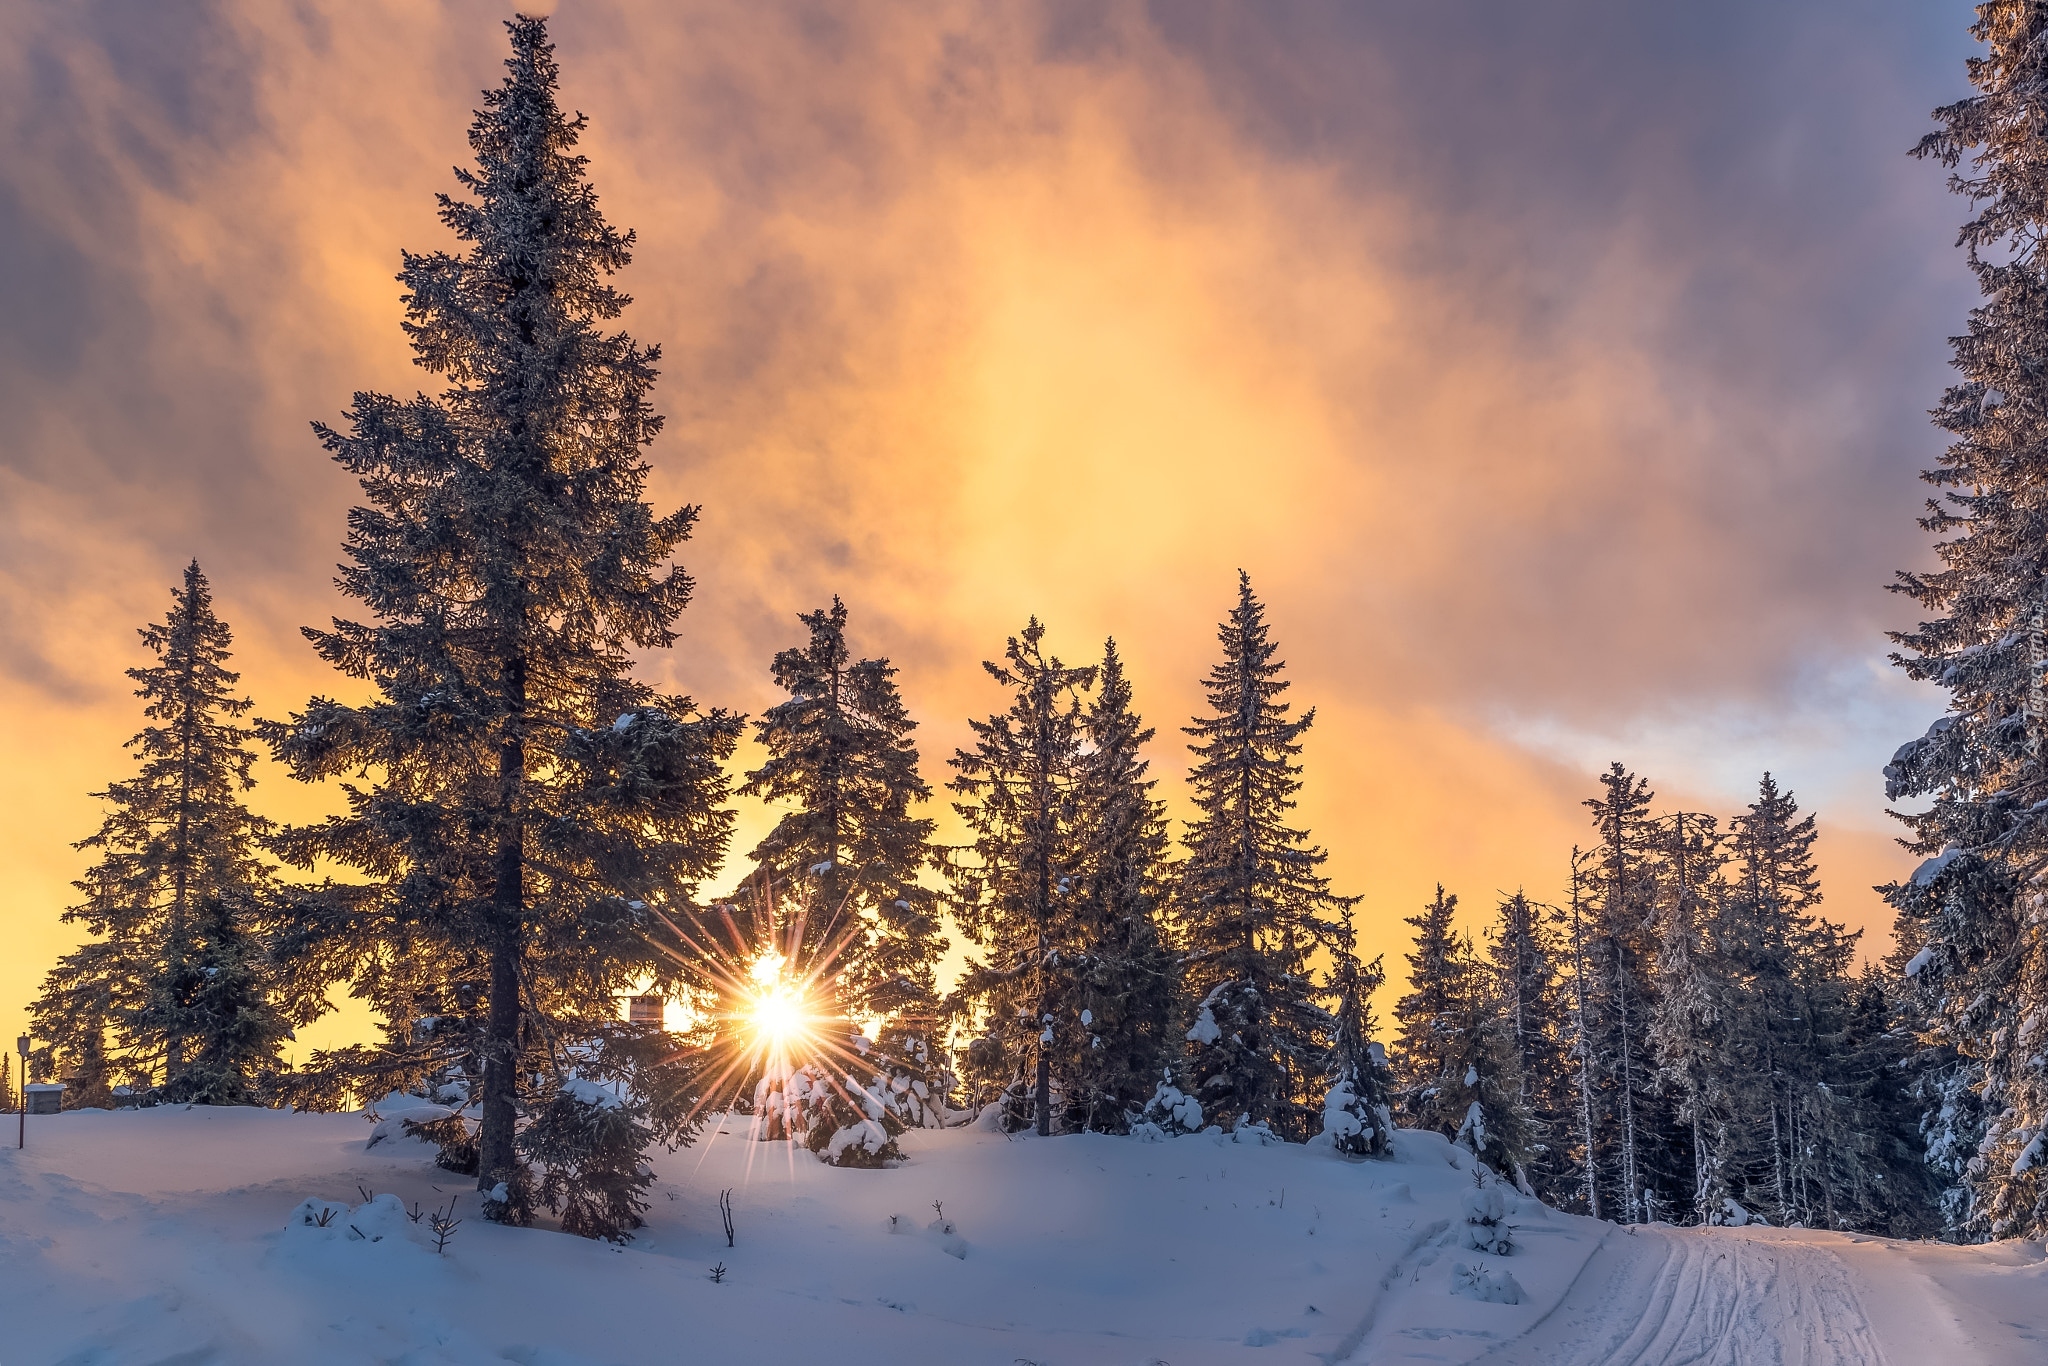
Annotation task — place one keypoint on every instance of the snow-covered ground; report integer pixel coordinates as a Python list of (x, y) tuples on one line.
[(185, 1236)]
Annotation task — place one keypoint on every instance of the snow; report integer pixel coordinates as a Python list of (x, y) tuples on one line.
[(599, 1094), (1925, 874), (1919, 961), (238, 1236)]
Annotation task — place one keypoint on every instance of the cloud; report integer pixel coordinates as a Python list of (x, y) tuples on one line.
[(1553, 373)]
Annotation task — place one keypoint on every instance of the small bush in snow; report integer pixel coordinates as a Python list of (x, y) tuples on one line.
[(1486, 1214), (1170, 1113), (587, 1143), (1481, 1283)]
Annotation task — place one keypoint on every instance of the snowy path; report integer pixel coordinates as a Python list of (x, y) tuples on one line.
[(1670, 1297), (1729, 1297)]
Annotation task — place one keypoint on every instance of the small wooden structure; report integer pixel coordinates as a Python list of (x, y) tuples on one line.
[(644, 1010), (44, 1097)]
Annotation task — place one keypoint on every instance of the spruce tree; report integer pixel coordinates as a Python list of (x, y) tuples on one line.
[(526, 806), (1428, 1014), (848, 853), (1524, 959), (1878, 1173), (1620, 962), (1254, 905), (1127, 982), (180, 870), (1577, 929), (1792, 970), (236, 1031), (1981, 900), (1358, 1108), (1461, 1067), (1015, 898), (1690, 1013)]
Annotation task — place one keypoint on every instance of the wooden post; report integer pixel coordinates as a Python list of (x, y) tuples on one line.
[(21, 1121)]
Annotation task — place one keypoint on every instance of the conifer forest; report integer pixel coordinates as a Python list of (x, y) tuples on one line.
[(497, 832)]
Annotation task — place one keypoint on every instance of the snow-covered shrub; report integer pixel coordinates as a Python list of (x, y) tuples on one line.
[(853, 1126), (1355, 1127), (380, 1223), (1257, 1135), (1170, 1113), (1481, 1283), (942, 1231), (1733, 1215), (910, 1078), (587, 1142), (844, 1123), (1486, 1217)]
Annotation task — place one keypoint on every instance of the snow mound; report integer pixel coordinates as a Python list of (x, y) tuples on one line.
[(380, 1226), (1483, 1283)]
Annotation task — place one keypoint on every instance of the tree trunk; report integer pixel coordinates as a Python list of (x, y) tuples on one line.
[(497, 1160), (175, 945)]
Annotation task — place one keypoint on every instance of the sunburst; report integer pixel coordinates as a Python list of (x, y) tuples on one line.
[(774, 1008)]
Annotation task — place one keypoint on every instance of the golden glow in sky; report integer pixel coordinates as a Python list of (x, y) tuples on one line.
[(967, 317)]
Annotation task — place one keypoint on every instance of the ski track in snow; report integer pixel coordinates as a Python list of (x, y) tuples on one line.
[(1691, 1297)]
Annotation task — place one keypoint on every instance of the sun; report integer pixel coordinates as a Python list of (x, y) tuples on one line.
[(777, 1012)]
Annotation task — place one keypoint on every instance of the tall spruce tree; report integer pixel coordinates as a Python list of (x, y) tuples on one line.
[(1886, 1186), (1690, 1014), (849, 850), (1577, 930), (527, 804), (1428, 1014), (1620, 964), (1982, 900), (180, 877), (1524, 960), (1792, 968), (1461, 1068), (1014, 897), (1128, 988), (1254, 905)]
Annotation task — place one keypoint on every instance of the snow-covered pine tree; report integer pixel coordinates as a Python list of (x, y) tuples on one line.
[(528, 804), (179, 853), (1878, 1174), (847, 853), (1576, 930), (1940, 1084), (1791, 968), (234, 1029), (1620, 962), (75, 1017), (1690, 1011), (1982, 897), (1358, 1108), (1254, 906), (1461, 1069), (1428, 1014), (1128, 986), (1524, 957), (1015, 897)]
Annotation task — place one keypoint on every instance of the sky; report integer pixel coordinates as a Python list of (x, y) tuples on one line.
[(1558, 372)]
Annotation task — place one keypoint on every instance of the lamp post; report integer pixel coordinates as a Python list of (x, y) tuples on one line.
[(21, 1119)]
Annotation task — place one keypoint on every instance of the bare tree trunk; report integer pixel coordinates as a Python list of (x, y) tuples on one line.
[(497, 1160)]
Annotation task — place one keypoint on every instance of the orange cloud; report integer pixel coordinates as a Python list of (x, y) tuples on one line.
[(963, 325)]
